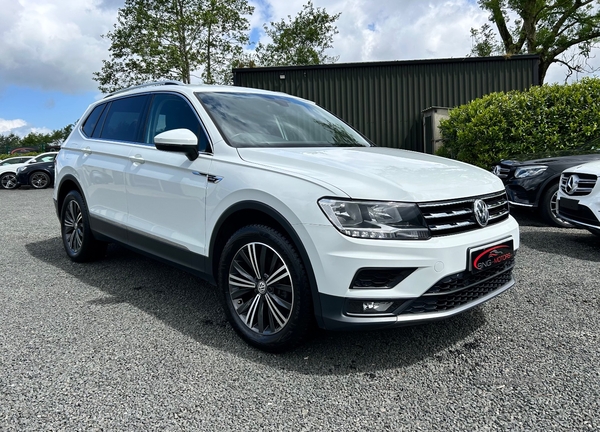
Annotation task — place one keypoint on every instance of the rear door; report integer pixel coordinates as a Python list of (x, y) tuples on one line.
[(107, 136)]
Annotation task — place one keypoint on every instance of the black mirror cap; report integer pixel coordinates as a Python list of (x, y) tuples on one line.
[(191, 151)]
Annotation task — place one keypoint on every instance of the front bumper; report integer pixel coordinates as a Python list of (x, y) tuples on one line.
[(522, 194), (338, 259), (432, 306), (583, 212)]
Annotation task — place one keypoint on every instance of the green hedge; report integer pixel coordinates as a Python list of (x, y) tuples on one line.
[(6, 156), (542, 119)]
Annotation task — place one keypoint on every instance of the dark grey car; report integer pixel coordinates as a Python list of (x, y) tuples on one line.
[(532, 182)]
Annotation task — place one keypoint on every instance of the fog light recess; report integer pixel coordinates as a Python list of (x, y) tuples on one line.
[(372, 307)]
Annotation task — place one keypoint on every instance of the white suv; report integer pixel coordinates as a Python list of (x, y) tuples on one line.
[(579, 196), (296, 217)]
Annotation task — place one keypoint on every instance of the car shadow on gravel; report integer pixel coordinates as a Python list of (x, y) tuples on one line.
[(192, 307), (572, 243), (526, 217)]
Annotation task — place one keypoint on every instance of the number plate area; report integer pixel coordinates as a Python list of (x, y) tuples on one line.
[(569, 204), (490, 256)]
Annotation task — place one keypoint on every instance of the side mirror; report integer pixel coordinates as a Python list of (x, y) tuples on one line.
[(178, 140)]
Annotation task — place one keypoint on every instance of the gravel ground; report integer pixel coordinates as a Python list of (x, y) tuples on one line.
[(130, 344)]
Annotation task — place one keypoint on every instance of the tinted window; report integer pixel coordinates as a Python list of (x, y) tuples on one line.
[(44, 158), (92, 120), (264, 120), (14, 161), (171, 111), (125, 119)]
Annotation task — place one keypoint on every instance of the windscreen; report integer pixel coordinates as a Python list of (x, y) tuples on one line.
[(263, 120)]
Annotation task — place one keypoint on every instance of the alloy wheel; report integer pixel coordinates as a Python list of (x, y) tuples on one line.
[(261, 288), (73, 226), (39, 180), (9, 181)]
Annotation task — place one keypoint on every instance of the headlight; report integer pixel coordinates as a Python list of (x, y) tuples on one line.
[(376, 220), (530, 171), (21, 169)]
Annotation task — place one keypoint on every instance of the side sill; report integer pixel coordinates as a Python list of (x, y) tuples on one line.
[(167, 253)]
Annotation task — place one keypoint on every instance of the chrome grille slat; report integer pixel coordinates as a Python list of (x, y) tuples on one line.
[(450, 226), (501, 172), (454, 213), (499, 215), (456, 216), (586, 184)]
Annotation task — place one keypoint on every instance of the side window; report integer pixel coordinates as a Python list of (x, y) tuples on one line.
[(171, 111), (92, 120), (125, 119)]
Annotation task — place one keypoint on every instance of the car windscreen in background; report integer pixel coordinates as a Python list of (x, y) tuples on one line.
[(262, 120)]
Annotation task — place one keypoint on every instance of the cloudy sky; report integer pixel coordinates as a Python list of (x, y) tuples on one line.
[(49, 48)]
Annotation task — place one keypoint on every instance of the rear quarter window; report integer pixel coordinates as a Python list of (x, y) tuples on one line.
[(92, 120), (125, 119)]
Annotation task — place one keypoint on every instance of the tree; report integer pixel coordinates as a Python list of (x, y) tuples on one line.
[(302, 40), (559, 31), (36, 140), (172, 39), (8, 142)]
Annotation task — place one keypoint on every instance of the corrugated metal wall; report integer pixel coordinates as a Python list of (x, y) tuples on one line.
[(385, 100)]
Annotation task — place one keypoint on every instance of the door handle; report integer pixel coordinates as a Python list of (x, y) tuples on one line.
[(138, 159), (87, 150)]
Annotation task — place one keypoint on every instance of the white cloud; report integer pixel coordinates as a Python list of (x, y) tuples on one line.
[(19, 127), (7, 126), (57, 45), (53, 45)]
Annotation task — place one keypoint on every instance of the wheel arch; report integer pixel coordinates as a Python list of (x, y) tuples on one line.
[(548, 183), (250, 213), (67, 184)]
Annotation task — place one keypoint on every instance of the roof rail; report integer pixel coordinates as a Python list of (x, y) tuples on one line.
[(148, 84)]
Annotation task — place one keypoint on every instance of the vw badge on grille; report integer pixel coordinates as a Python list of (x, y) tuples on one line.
[(496, 170), (482, 213), (572, 184)]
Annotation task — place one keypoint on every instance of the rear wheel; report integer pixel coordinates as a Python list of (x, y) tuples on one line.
[(39, 180), (549, 208), (264, 289), (9, 181), (78, 240)]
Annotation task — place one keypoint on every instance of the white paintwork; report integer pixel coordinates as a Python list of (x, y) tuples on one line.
[(591, 201), (165, 195), (379, 173), (182, 137)]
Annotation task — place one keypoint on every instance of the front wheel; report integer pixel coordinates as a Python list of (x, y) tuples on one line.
[(78, 240), (9, 181), (264, 289), (549, 208), (39, 180)]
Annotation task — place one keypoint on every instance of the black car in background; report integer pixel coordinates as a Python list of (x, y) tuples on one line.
[(532, 182), (38, 175)]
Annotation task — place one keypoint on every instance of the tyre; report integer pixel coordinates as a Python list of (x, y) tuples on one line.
[(39, 180), (78, 240), (549, 208), (264, 289), (9, 181)]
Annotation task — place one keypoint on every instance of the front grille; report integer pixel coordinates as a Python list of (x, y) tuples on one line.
[(451, 217), (461, 289), (585, 183), (501, 171)]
